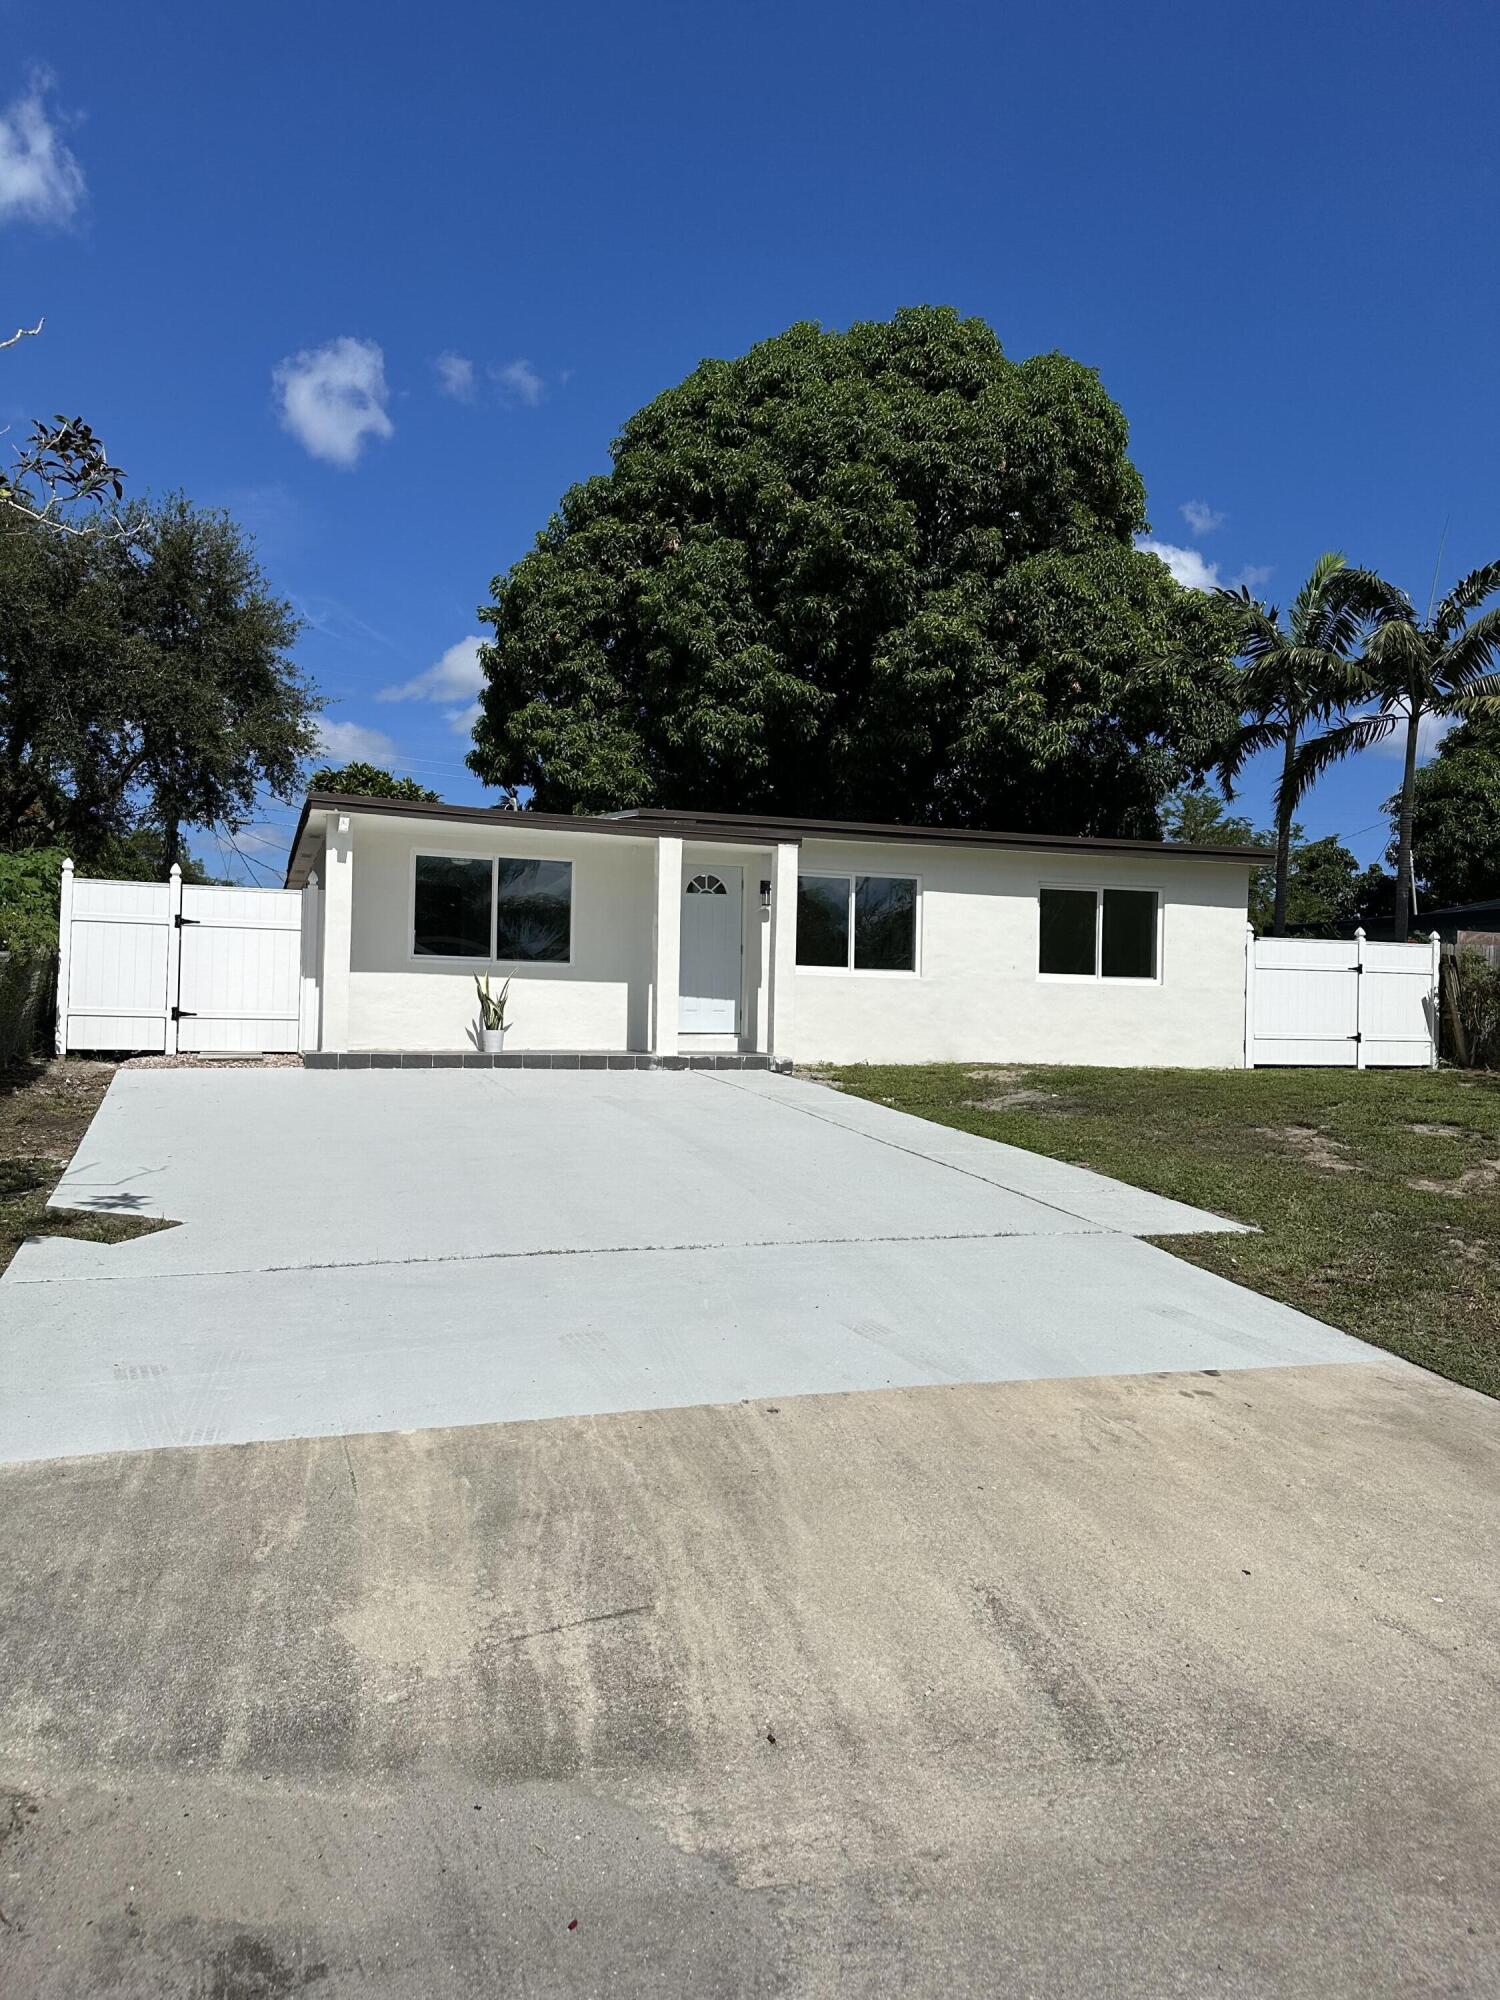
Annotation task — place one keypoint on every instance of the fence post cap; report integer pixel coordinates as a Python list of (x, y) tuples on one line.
[(67, 867), (175, 872), (1434, 937), (1359, 930)]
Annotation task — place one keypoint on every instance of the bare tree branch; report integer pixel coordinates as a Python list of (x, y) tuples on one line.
[(23, 333)]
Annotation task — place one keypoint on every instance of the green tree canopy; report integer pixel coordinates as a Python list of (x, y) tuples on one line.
[(369, 781), (145, 683), (886, 573), (1326, 891), (1456, 816)]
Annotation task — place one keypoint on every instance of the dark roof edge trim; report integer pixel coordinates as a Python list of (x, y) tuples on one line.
[(748, 829)]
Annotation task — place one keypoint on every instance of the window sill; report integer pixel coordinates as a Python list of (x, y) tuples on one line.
[(852, 972)]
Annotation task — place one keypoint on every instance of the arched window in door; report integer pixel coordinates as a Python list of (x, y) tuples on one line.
[(706, 885)]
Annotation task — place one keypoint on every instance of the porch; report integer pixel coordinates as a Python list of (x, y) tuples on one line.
[(624, 946)]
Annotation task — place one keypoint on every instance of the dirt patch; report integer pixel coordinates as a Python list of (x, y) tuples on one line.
[(1311, 1145), (45, 1109), (1008, 1093), (1442, 1131), (817, 1076), (1481, 1179)]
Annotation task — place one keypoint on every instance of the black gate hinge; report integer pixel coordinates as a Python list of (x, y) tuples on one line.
[(187, 1014), (179, 920)]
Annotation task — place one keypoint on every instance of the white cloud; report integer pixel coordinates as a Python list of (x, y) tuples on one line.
[(1430, 732), (334, 397), (455, 377), (40, 180), (457, 674), (520, 382), (1189, 568), (455, 677), (1202, 518), (352, 742), (1253, 575)]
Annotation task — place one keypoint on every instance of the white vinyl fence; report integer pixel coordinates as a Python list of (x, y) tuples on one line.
[(1320, 1002), (176, 968)]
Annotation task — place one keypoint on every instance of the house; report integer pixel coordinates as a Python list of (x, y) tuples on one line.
[(1475, 926), (676, 934)]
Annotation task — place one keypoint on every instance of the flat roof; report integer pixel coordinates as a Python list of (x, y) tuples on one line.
[(739, 829)]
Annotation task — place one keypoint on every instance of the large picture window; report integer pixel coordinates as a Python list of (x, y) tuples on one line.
[(1098, 934), (533, 911), (502, 912), (859, 923), (451, 908)]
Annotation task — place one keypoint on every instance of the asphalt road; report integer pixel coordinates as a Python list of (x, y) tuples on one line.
[(1168, 1684)]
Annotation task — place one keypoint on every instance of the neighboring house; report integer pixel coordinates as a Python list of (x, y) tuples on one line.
[(686, 933), (1459, 923)]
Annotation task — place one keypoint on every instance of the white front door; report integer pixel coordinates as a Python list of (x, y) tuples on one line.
[(712, 948)]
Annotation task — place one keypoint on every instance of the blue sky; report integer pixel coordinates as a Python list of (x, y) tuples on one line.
[(492, 232)]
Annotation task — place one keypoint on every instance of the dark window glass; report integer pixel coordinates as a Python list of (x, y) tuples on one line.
[(823, 920), (1068, 930), (451, 908), (1129, 934), (533, 911), (885, 923)]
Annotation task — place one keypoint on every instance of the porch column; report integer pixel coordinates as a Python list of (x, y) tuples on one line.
[(338, 926), (666, 945), (783, 951)]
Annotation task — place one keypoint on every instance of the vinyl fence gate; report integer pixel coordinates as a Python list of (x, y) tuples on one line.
[(179, 967), (1319, 1002)]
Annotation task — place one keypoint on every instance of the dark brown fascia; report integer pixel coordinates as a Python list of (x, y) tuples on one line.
[(749, 829)]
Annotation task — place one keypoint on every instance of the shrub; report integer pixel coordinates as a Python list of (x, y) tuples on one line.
[(1471, 1008), (26, 981), (29, 882)]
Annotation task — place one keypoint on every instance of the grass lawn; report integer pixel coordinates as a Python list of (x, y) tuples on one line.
[(1378, 1194), (45, 1108)]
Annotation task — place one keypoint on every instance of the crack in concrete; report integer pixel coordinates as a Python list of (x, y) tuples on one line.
[(916, 1153), (592, 1250), (575, 1624)]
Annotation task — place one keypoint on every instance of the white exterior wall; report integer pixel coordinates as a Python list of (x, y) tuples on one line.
[(977, 994), (599, 1001)]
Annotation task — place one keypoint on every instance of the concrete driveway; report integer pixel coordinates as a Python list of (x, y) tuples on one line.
[(1127, 1636), (388, 1250)]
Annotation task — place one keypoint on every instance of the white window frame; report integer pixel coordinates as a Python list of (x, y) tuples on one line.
[(850, 970), (1098, 977), (521, 965)]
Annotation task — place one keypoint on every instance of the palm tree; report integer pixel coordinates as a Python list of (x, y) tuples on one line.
[(1293, 677), (1412, 669)]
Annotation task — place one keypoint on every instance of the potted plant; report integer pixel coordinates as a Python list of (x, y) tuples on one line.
[(491, 1015)]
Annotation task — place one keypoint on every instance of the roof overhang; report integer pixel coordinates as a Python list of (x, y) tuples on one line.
[(731, 829)]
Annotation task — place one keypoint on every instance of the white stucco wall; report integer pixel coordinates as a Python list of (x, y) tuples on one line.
[(977, 993), (599, 1001)]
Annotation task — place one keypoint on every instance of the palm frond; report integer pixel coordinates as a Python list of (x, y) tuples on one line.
[(1321, 753), (1397, 655), (1472, 651), (1466, 595), (1249, 741), (1479, 697), (1355, 598)]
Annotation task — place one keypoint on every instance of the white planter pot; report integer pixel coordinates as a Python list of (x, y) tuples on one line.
[(492, 1040)]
